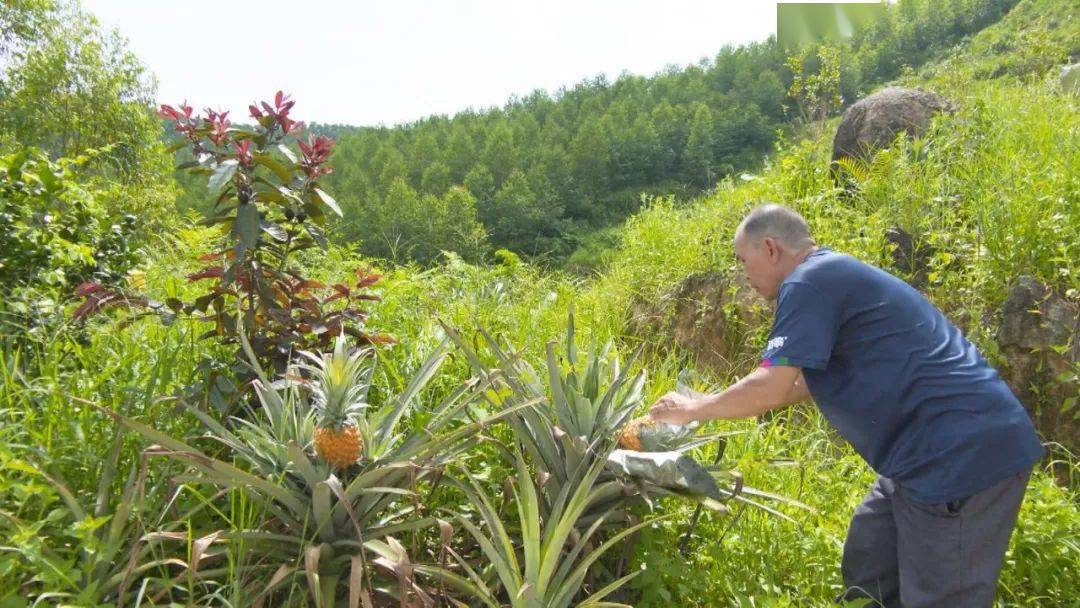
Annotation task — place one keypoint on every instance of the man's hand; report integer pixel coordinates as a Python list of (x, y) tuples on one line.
[(674, 408)]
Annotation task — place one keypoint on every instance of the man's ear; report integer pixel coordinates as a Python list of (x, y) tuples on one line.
[(772, 248)]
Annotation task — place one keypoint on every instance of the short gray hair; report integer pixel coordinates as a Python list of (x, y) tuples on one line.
[(777, 221)]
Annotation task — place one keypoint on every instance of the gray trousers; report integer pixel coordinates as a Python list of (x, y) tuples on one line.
[(904, 553)]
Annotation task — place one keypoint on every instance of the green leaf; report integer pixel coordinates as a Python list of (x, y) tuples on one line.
[(246, 227), (271, 163), (289, 154), (217, 219), (462, 584), (329, 201), (274, 230), (322, 508), (216, 471), (317, 234), (314, 212), (594, 600), (269, 196), (289, 194), (222, 175)]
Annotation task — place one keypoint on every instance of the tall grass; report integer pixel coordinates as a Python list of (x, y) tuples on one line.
[(753, 559), (992, 191)]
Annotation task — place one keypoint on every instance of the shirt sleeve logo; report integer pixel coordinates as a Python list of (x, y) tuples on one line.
[(775, 343)]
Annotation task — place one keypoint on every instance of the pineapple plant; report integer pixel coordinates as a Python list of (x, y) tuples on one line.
[(338, 382), (585, 408), (314, 516)]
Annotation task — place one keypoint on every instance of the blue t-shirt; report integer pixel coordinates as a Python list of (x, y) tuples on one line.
[(898, 380)]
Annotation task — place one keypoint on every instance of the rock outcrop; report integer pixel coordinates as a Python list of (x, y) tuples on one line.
[(1039, 337), (874, 122), (706, 315), (910, 256)]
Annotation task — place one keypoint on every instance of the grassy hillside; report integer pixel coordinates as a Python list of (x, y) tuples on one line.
[(993, 190)]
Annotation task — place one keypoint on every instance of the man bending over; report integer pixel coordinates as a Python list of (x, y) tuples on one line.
[(951, 444)]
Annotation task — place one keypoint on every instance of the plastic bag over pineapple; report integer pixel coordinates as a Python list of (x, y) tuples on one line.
[(655, 452)]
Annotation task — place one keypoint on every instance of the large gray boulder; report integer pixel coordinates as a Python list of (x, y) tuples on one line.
[(875, 121), (1039, 338), (1035, 318)]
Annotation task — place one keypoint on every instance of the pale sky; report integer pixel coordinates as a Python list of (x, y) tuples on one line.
[(392, 61)]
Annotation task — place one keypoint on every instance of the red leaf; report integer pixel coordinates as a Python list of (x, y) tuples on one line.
[(381, 339), (311, 306), (215, 255), (367, 281), (211, 272), (102, 299), (89, 307), (88, 288), (168, 111), (353, 314)]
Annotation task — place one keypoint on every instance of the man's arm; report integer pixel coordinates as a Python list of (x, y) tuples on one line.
[(799, 391), (763, 389)]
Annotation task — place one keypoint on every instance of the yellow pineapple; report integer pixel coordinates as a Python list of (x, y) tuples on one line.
[(647, 435), (339, 385), (628, 435), (339, 448)]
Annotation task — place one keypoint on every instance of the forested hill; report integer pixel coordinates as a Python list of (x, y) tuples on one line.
[(540, 175)]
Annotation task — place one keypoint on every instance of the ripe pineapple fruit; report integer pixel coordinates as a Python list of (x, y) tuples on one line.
[(628, 434), (643, 434), (339, 388), (339, 446)]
